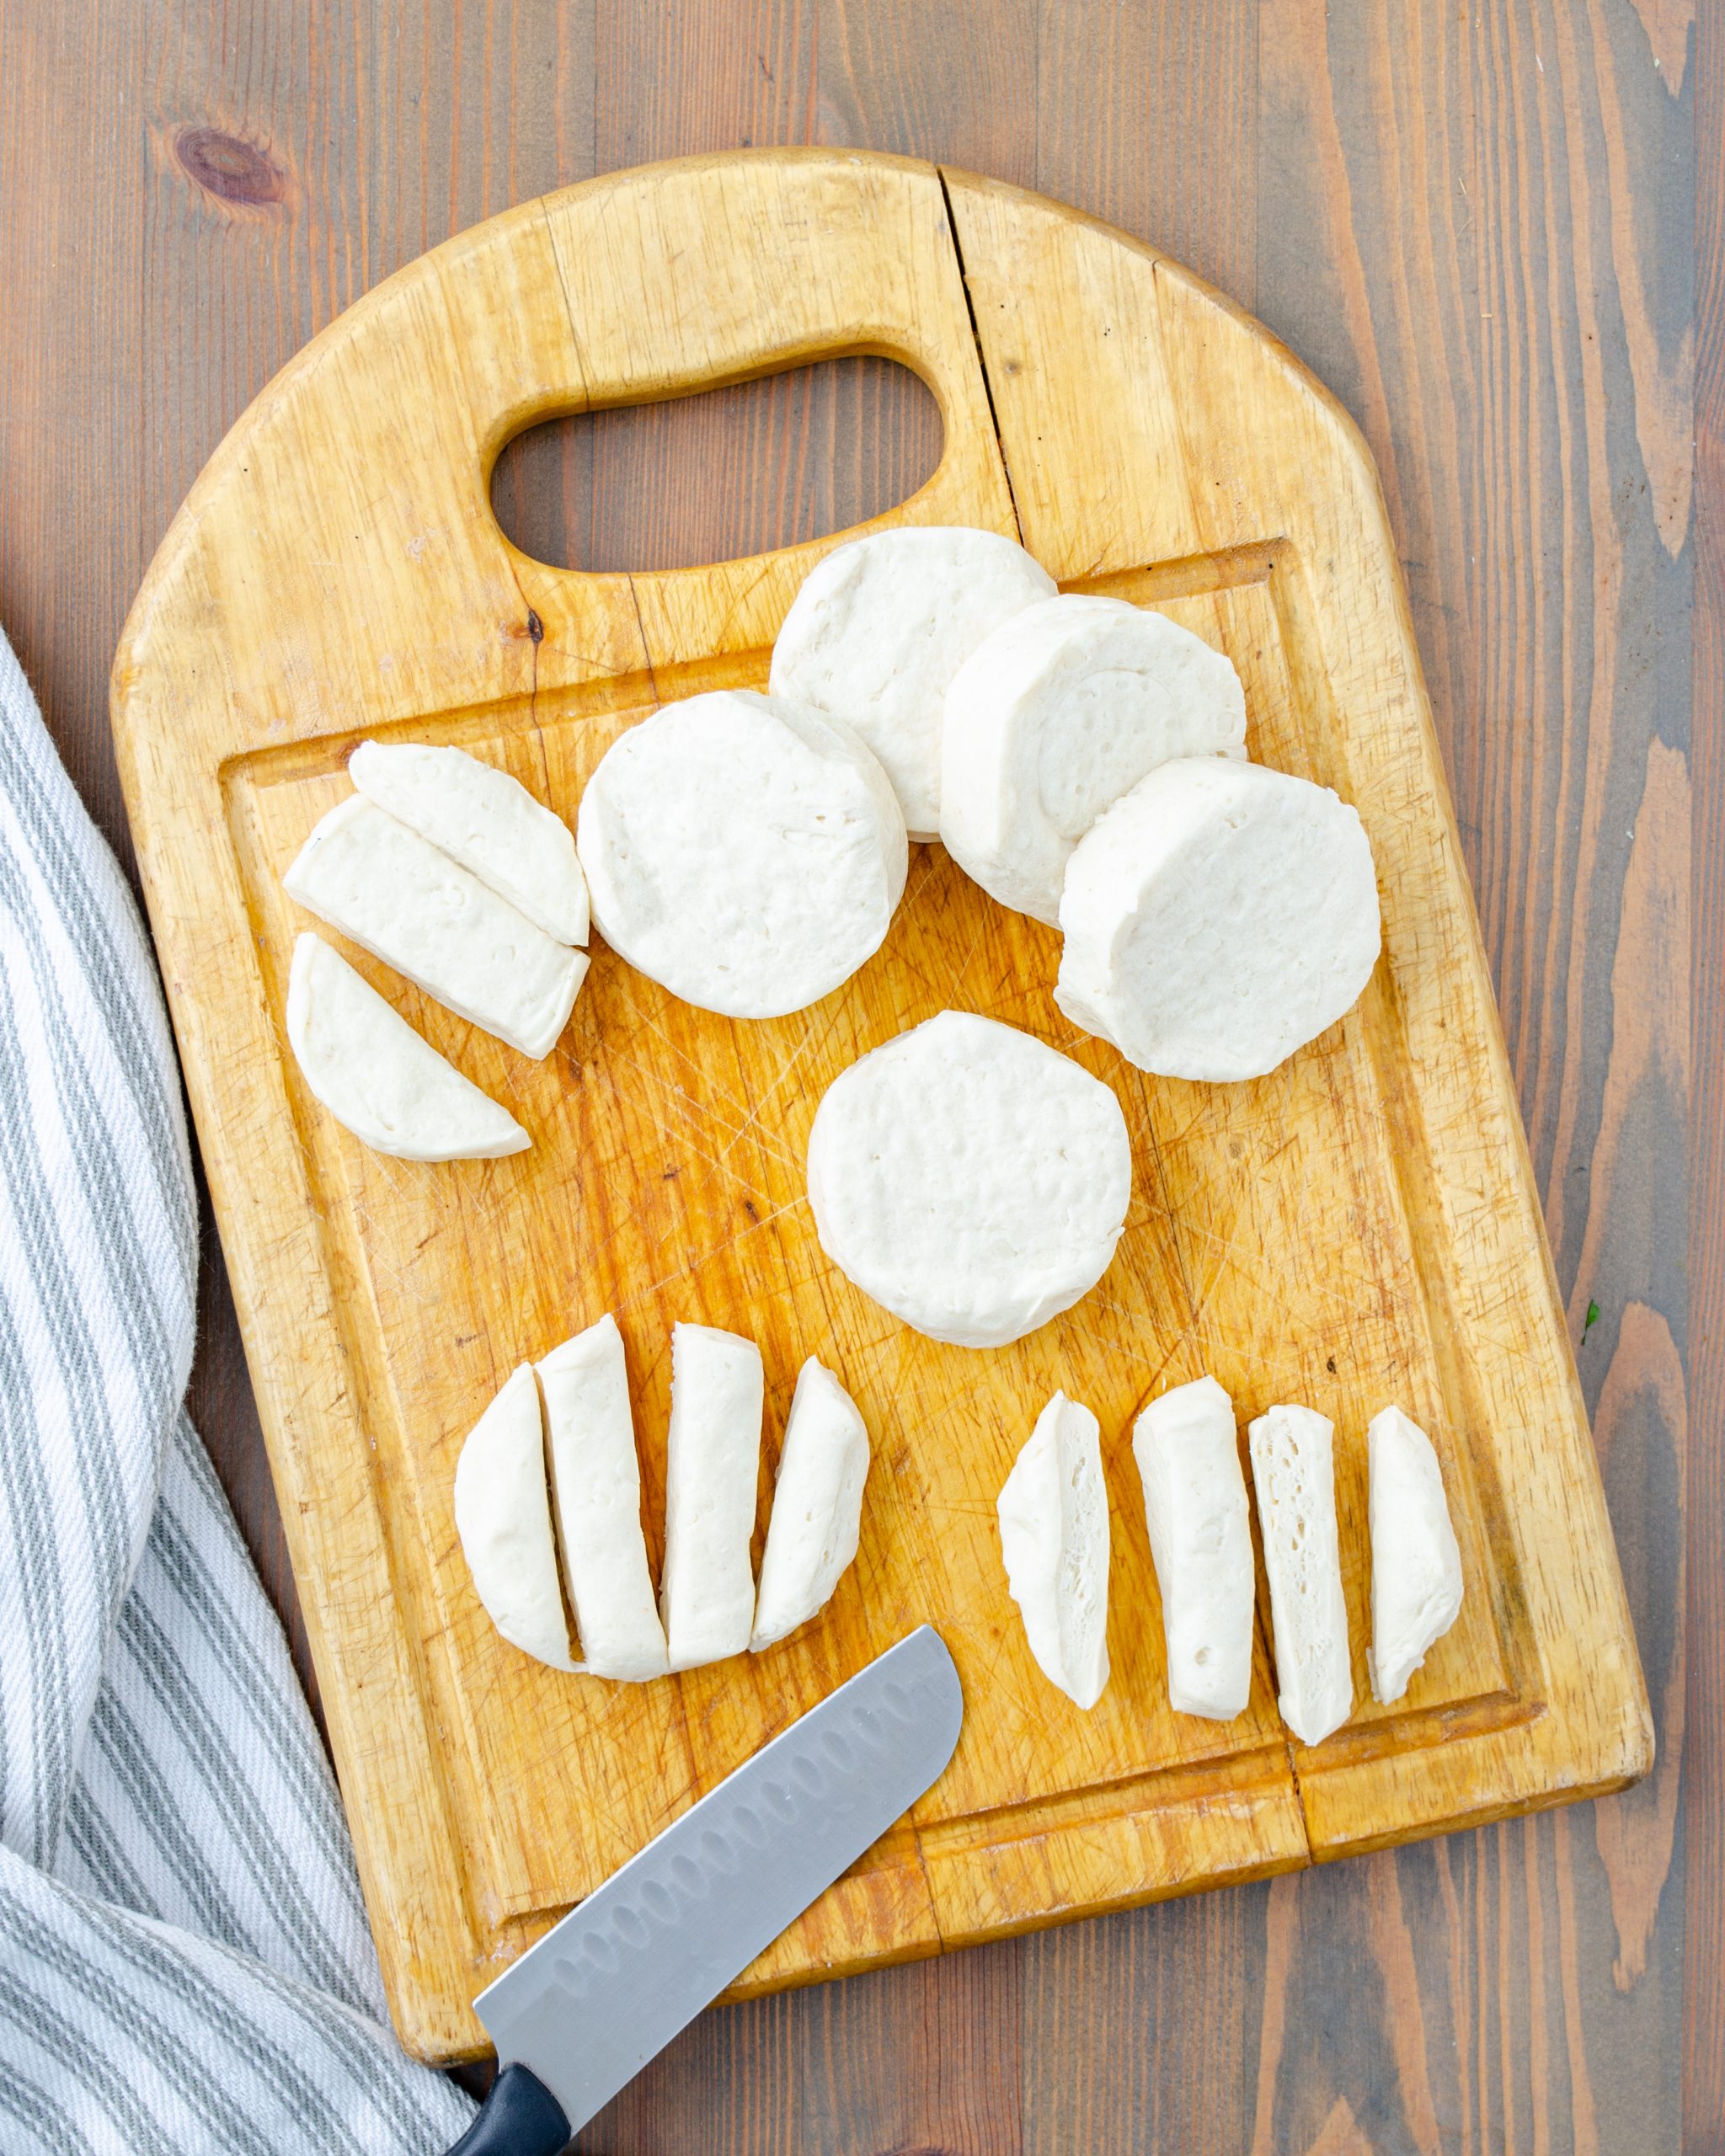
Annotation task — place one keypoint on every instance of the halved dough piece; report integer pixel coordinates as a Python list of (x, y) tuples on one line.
[(1416, 1562), (1219, 917), (596, 1480), (1200, 1539), (1054, 716), (1054, 1516), (971, 1179), (744, 852), (487, 821), (881, 625), (406, 903), (503, 1516), (712, 1470), (1293, 1470), (817, 1505), (380, 1079)]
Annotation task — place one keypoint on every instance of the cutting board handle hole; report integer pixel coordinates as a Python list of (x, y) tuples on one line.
[(722, 475)]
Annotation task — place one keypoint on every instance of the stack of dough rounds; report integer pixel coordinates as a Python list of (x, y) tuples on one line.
[(1054, 717), (1219, 917), (878, 630), (744, 852), (970, 1179)]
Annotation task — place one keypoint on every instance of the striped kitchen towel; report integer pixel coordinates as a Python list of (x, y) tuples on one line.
[(184, 1964)]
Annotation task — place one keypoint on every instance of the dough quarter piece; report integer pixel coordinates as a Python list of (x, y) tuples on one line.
[(1415, 1561), (817, 1506), (409, 904), (743, 852), (376, 1077), (712, 1470), (880, 626), (486, 820), (1200, 1541), (1293, 1469), (503, 1516), (1055, 715), (595, 1485), (972, 1179), (1053, 1520), (1217, 918)]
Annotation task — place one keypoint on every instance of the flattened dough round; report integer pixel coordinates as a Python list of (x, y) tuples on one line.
[(1054, 716), (1219, 917), (881, 625), (744, 852), (379, 1078), (970, 1179)]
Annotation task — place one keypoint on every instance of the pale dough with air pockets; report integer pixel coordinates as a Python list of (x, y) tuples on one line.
[(1195, 1507), (503, 1516), (406, 902), (972, 1179), (1054, 1521), (744, 852), (486, 820), (1415, 1561), (1057, 714), (376, 1077), (1293, 1471), (1217, 918), (595, 1486), (817, 1506), (712, 1464), (878, 629)]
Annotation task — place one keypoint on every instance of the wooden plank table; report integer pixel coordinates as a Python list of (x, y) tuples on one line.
[(1479, 226)]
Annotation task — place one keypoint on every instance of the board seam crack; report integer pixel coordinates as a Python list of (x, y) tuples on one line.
[(994, 417)]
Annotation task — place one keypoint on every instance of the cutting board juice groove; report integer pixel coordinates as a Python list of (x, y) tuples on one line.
[(1360, 1226)]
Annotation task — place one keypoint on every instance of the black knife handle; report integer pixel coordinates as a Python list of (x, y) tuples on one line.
[(519, 2117)]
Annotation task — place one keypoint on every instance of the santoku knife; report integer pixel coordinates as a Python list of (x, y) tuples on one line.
[(582, 2012)]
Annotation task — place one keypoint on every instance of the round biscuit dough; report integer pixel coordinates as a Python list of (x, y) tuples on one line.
[(1219, 917), (970, 1178), (743, 852), (1055, 715), (881, 625)]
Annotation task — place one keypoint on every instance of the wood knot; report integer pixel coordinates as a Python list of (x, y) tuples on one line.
[(223, 166)]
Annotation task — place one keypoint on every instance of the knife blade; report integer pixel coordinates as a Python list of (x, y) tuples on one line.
[(607, 1987)]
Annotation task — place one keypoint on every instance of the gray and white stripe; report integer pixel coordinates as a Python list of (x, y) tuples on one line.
[(185, 1963)]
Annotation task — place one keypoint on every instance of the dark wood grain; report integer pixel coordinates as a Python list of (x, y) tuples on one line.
[(1477, 225), (1704, 1762)]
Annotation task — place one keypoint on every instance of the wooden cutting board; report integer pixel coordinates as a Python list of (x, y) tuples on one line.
[(1361, 1227)]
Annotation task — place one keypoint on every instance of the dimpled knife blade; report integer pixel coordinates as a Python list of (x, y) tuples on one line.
[(612, 1983)]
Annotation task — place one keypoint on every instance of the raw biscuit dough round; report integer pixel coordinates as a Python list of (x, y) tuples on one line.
[(743, 852), (881, 625), (1217, 919), (970, 1178), (1054, 716)]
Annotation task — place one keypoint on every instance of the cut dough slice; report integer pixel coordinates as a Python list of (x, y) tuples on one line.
[(503, 1516), (596, 1480), (1054, 1515), (404, 901), (743, 851), (1416, 1563), (1200, 1539), (817, 1505), (1293, 1469), (376, 1077), (712, 1470), (1054, 716), (881, 625), (971, 1180), (1219, 917), (487, 821)]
